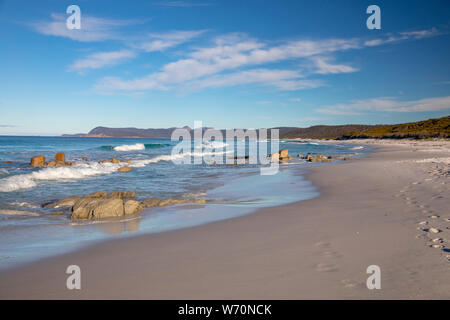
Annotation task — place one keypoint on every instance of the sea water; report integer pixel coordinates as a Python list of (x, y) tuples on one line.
[(28, 231)]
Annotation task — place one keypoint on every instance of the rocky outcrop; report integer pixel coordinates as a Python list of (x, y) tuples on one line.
[(317, 158), (100, 204), (60, 157), (275, 156), (124, 169), (98, 194), (122, 195), (284, 153), (60, 161), (95, 208), (132, 207), (37, 161)]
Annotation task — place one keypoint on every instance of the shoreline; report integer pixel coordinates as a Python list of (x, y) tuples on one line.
[(274, 252)]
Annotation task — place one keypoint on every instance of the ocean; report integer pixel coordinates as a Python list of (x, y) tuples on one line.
[(29, 232)]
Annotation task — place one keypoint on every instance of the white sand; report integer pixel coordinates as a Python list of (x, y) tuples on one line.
[(375, 211)]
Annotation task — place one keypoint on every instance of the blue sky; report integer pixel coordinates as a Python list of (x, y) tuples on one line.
[(230, 64)]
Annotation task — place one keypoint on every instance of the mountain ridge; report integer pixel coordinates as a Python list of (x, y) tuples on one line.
[(431, 128)]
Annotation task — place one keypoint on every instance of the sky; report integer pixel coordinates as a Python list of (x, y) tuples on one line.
[(229, 64)]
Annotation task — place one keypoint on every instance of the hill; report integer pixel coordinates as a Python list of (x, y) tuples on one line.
[(432, 128)]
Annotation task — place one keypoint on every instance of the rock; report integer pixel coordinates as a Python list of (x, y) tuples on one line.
[(104, 161), (132, 207), (284, 153), (151, 202), (84, 159), (124, 169), (38, 161), (122, 195), (7, 161), (51, 164), (95, 208), (66, 202), (114, 160), (300, 156), (275, 157), (126, 161), (60, 157), (317, 158), (434, 230), (70, 163), (98, 194), (346, 159), (59, 164), (57, 213)]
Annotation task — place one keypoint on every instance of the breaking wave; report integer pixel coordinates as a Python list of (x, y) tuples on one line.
[(84, 170), (135, 147)]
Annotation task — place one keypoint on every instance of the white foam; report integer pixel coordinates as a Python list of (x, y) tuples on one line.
[(85, 170), (24, 204), (357, 148), (29, 180), (4, 172), (130, 147), (212, 145)]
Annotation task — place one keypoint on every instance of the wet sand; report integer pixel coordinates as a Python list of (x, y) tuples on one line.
[(381, 210)]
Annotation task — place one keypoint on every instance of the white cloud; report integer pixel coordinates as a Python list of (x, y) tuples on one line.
[(388, 104), (92, 28), (402, 36), (101, 59), (163, 41), (324, 67), (209, 66)]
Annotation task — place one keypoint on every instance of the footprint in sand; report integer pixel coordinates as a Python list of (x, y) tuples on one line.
[(331, 254), (326, 267), (349, 283), (322, 244)]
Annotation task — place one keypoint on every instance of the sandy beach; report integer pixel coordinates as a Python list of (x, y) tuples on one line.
[(380, 210)]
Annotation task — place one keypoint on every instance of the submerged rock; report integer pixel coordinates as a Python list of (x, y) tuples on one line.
[(163, 202), (124, 169)]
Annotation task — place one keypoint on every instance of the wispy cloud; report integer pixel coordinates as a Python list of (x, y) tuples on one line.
[(163, 41), (402, 36), (215, 65), (388, 104), (92, 28), (324, 66), (101, 59), (7, 126)]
